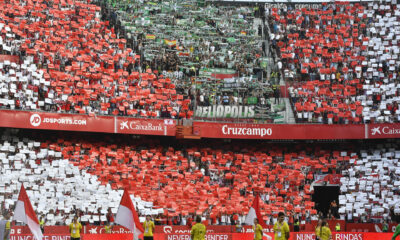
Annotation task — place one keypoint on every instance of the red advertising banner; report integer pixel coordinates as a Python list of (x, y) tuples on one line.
[(166, 127), (45, 237), (383, 130), (268, 229), (331, 223), (278, 131), (125, 236), (186, 229), (85, 123), (167, 229), (51, 230), (120, 236), (368, 227), (270, 236), (213, 236), (55, 121), (344, 236), (186, 236)]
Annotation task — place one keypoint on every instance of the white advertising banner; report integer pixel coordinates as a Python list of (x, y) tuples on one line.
[(225, 111)]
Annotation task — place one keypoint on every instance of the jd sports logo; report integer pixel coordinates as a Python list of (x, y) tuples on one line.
[(35, 120)]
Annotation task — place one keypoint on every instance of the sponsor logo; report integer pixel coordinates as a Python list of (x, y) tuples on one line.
[(384, 131), (376, 130), (388, 130), (133, 126), (35, 120), (167, 229), (64, 121), (124, 125), (246, 131), (102, 230)]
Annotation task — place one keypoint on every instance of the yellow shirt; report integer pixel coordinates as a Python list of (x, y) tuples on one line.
[(258, 232), (317, 231), (325, 233), (8, 225), (148, 228), (280, 230), (75, 230), (198, 231)]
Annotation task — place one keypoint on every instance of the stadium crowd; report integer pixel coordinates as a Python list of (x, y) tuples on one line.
[(84, 175), (342, 60), (73, 63), (161, 59), (94, 59)]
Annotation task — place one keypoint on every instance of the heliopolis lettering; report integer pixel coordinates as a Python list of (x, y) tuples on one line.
[(220, 111)]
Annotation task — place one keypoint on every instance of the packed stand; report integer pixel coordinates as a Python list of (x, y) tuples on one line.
[(188, 34), (370, 186), (341, 60), (78, 65), (201, 45), (57, 189), (162, 175)]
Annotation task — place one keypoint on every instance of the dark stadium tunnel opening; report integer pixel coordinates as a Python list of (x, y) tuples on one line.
[(323, 197)]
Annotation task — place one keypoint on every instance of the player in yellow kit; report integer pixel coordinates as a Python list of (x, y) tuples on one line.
[(8, 228), (281, 228), (198, 230), (257, 228), (75, 229), (148, 227), (325, 232)]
